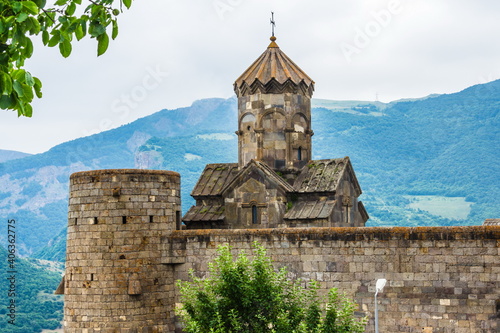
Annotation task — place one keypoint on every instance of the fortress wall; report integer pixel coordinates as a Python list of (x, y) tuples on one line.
[(114, 281), (440, 279)]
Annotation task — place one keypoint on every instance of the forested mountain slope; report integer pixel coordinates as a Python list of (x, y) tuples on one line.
[(431, 161)]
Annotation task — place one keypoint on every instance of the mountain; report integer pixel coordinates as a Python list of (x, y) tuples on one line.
[(35, 188), (28, 298), (430, 161), (7, 155)]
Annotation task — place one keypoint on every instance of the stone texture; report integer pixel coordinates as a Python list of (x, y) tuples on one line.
[(114, 280), (430, 287)]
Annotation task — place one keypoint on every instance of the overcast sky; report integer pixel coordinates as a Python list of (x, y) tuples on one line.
[(170, 53)]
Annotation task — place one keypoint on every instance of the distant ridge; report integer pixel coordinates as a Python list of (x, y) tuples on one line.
[(8, 155), (409, 155)]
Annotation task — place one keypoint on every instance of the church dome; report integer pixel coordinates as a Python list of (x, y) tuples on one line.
[(273, 73)]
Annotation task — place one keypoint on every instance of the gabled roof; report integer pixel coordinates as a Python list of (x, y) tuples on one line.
[(214, 178), (315, 209), (491, 222), (255, 165), (362, 211), (324, 176), (204, 213), (273, 72)]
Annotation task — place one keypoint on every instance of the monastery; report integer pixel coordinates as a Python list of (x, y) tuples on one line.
[(128, 244)]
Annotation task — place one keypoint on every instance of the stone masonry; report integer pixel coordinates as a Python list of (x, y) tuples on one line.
[(440, 279), (125, 252), (114, 281)]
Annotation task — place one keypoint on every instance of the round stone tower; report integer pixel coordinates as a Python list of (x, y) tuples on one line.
[(115, 281), (274, 112)]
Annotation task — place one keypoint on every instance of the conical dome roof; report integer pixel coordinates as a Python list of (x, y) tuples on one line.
[(273, 73)]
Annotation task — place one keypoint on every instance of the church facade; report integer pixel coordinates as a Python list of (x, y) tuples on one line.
[(275, 183)]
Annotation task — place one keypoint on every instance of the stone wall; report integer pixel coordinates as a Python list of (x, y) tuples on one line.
[(275, 129), (440, 279), (124, 254), (114, 280)]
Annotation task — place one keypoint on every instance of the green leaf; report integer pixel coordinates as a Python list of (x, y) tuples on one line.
[(40, 3), (28, 110), (55, 39), (70, 10), (30, 7), (35, 25), (38, 87), (18, 75), (6, 101), (6, 82), (27, 92), (79, 33), (45, 37), (96, 29), (61, 2), (30, 81), (127, 3), (18, 88), (17, 6), (74, 23), (102, 44), (65, 48), (21, 17), (51, 18), (19, 106), (28, 49), (62, 19), (114, 32)]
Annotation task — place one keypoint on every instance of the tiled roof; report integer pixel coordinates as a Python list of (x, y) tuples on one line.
[(315, 209), (268, 171), (273, 72), (491, 222), (321, 175), (204, 213), (214, 178), (272, 174)]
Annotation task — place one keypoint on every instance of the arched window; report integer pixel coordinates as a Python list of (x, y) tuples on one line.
[(254, 215), (299, 154), (247, 122)]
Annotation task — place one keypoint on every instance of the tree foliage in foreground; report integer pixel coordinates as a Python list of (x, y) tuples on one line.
[(58, 25), (249, 296)]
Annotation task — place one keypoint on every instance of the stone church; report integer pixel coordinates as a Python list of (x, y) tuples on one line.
[(275, 183), (126, 245)]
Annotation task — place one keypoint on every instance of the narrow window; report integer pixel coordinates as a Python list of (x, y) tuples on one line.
[(254, 215), (299, 154), (124, 220), (92, 277), (150, 218)]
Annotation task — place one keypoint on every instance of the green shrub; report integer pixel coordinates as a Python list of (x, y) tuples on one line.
[(249, 296)]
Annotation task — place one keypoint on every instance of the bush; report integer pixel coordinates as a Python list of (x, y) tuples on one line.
[(249, 296)]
